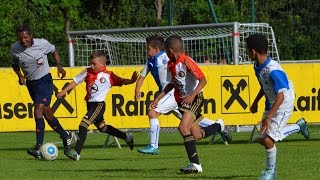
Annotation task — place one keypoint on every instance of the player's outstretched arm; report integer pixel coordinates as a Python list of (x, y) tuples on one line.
[(137, 92), (133, 79), (66, 89)]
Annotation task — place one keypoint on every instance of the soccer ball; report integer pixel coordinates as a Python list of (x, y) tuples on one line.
[(49, 151)]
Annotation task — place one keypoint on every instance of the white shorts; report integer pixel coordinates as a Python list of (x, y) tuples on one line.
[(168, 104), (277, 123)]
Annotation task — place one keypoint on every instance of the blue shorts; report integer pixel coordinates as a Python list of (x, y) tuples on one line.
[(41, 89)]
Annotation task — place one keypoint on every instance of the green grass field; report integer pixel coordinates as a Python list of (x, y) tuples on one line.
[(297, 158)]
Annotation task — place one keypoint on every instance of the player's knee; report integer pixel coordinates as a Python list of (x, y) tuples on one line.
[(48, 114), (102, 127), (152, 114), (184, 130), (85, 123), (197, 137)]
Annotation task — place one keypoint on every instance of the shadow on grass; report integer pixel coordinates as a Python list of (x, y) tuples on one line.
[(164, 173), (202, 142)]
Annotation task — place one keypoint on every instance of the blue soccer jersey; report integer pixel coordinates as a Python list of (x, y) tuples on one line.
[(273, 80), (158, 68)]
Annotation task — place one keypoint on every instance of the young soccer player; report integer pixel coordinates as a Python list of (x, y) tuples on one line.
[(98, 80), (188, 81), (157, 64), (30, 55), (279, 93)]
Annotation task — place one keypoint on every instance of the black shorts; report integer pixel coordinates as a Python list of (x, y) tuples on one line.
[(41, 89), (95, 112), (195, 109)]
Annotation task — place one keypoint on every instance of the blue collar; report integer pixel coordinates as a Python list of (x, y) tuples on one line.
[(156, 56), (258, 68)]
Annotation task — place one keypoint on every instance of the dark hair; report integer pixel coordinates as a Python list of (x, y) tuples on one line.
[(258, 42), (24, 27), (155, 41), (174, 42)]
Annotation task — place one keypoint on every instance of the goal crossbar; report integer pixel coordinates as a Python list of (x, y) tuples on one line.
[(203, 42)]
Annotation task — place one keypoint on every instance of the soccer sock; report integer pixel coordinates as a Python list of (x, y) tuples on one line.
[(205, 122), (154, 132), (115, 132), (82, 138), (289, 129), (55, 125), (39, 130), (210, 130), (190, 145), (271, 155)]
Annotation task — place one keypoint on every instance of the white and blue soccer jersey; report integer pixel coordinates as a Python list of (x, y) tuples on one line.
[(273, 80), (158, 68)]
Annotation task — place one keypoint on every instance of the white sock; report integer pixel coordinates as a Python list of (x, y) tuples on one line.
[(271, 155), (154, 132), (289, 129), (205, 122)]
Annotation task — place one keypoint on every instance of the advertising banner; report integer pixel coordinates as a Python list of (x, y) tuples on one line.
[(229, 92)]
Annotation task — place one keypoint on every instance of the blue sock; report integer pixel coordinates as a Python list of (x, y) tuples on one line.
[(55, 125), (39, 130)]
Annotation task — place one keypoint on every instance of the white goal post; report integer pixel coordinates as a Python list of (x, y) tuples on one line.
[(214, 43)]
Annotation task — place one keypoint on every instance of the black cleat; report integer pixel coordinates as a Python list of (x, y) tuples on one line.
[(67, 144), (35, 151), (129, 140), (226, 136)]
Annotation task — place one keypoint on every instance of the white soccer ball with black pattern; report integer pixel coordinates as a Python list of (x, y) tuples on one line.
[(49, 151)]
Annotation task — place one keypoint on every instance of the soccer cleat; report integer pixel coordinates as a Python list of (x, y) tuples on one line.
[(226, 136), (149, 150), (67, 144), (191, 168), (303, 128), (129, 140), (267, 175), (74, 156), (35, 151), (221, 122)]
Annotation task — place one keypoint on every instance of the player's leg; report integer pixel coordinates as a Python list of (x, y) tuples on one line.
[(40, 126), (154, 128), (303, 128), (190, 144), (44, 93), (205, 122), (56, 126), (204, 132), (95, 110), (152, 147), (190, 114), (276, 132), (36, 96), (165, 105), (269, 173), (102, 127)]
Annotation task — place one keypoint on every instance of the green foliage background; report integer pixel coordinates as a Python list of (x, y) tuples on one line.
[(295, 22)]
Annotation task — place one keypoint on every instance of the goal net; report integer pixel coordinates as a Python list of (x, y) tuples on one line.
[(205, 43)]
